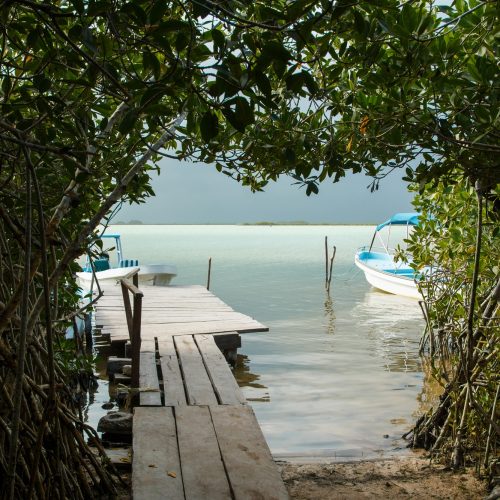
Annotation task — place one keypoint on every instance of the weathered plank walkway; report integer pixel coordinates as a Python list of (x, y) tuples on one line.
[(194, 436), (171, 310)]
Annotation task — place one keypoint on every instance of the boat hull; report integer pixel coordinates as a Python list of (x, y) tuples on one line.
[(153, 274), (115, 274), (157, 274), (388, 281)]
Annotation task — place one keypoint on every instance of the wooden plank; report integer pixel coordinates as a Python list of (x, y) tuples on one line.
[(148, 332), (149, 385), (156, 296), (148, 345), (250, 467), (173, 385), (223, 381), (203, 472), (194, 317), (156, 473), (169, 309), (118, 337), (157, 299), (121, 458), (164, 306), (199, 390), (212, 327)]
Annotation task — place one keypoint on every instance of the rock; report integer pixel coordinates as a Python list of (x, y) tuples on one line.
[(127, 370), (117, 422), (119, 378), (494, 494), (115, 364), (121, 397), (107, 406)]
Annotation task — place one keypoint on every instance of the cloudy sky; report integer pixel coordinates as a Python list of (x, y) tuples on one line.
[(198, 194)]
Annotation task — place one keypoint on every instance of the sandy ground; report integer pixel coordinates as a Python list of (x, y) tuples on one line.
[(408, 477)]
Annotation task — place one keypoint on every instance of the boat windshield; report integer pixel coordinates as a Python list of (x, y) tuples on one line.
[(112, 255), (405, 220), (118, 244)]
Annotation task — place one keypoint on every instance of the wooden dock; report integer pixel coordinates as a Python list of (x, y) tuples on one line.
[(194, 436), (172, 310)]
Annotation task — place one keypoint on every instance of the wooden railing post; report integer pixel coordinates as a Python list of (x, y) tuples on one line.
[(136, 340), (128, 308), (134, 317)]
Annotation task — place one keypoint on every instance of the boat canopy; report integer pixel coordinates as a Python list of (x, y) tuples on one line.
[(401, 219)]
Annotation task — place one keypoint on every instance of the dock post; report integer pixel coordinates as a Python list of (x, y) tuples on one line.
[(209, 272), (326, 261), (136, 340), (134, 317)]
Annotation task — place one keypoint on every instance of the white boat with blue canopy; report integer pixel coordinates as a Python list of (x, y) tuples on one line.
[(379, 265), (152, 274)]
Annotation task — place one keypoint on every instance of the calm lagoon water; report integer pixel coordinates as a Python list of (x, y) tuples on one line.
[(335, 376)]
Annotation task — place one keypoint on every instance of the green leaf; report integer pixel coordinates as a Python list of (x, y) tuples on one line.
[(150, 62), (42, 83), (154, 92), (97, 8), (263, 83), (209, 126), (157, 11), (136, 12), (294, 82), (75, 33), (201, 8), (279, 67), (310, 82), (79, 6), (172, 25), (233, 119), (295, 9), (276, 51), (219, 39), (103, 123), (456, 234), (311, 188), (289, 155), (244, 111), (359, 23), (6, 85), (33, 38), (128, 121), (181, 42), (82, 176)]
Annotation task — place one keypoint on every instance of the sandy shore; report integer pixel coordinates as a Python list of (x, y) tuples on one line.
[(408, 477)]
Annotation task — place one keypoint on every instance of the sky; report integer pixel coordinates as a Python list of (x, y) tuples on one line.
[(197, 194)]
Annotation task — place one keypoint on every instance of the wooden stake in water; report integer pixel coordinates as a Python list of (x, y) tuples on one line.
[(209, 272), (331, 267), (326, 261)]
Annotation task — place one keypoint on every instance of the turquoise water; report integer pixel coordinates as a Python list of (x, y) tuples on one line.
[(336, 377)]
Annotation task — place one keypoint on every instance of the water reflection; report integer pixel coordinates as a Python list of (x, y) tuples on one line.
[(254, 391), (329, 314), (431, 389), (385, 309), (94, 399), (389, 322)]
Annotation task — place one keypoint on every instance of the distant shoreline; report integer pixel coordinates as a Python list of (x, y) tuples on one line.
[(262, 223)]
